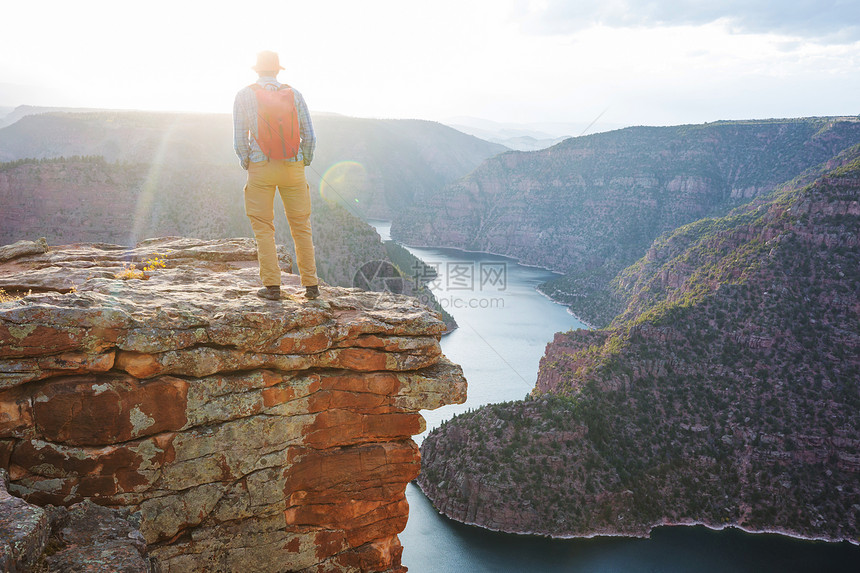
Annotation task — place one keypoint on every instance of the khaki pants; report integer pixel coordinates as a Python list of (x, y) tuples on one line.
[(288, 177)]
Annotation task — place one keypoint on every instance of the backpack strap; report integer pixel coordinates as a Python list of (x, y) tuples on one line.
[(255, 86)]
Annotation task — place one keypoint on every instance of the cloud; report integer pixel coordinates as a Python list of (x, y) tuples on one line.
[(826, 21)]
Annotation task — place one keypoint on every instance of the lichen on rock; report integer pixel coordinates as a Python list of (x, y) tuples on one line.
[(249, 434)]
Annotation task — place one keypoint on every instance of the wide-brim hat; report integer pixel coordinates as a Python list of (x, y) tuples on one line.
[(267, 62)]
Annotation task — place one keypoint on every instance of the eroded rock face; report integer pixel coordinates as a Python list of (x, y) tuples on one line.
[(730, 400), (591, 206), (24, 530), (251, 435), (84, 537)]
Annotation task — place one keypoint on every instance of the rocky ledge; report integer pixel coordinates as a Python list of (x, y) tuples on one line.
[(84, 537), (248, 434)]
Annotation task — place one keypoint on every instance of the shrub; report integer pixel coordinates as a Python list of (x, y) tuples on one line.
[(130, 271), (6, 297)]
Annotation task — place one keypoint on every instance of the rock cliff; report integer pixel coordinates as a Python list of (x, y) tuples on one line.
[(87, 199), (727, 393), (590, 206), (84, 537), (116, 177), (250, 435)]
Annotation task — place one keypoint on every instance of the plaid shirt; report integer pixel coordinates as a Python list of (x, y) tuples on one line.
[(245, 125)]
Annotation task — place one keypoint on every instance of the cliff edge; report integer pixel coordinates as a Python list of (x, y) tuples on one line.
[(250, 435)]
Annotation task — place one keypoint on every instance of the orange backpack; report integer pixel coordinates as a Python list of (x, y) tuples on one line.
[(277, 122)]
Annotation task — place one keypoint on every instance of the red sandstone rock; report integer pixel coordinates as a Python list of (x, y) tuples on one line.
[(250, 435), (85, 537)]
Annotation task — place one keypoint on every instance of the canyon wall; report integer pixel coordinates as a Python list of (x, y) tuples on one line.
[(120, 176), (249, 435), (590, 206), (374, 167), (727, 393)]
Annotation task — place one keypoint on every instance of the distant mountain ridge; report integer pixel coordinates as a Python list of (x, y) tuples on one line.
[(72, 200), (392, 160), (512, 138), (9, 115), (590, 206), (726, 394), (526, 136), (119, 177)]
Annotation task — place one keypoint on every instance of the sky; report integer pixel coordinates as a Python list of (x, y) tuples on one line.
[(619, 62)]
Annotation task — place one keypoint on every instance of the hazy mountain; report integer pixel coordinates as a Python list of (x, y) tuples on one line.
[(9, 115), (373, 167), (379, 166), (727, 393), (512, 137), (590, 206), (120, 177), (90, 200), (120, 136), (524, 136)]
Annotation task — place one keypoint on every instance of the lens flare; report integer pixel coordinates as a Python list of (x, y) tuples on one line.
[(345, 182), (146, 199)]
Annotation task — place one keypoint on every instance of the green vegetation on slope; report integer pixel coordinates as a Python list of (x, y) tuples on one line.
[(727, 392), (591, 206)]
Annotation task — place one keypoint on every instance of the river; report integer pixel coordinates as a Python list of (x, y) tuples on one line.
[(504, 326)]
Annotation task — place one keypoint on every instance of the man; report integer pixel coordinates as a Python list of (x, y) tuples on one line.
[(274, 139)]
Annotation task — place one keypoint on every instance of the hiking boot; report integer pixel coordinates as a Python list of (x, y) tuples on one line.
[(270, 293), (312, 292)]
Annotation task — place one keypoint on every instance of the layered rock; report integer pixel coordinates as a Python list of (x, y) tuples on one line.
[(590, 206), (726, 394), (249, 434), (24, 530), (84, 537)]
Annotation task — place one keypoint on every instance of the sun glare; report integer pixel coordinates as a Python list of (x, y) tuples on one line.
[(398, 59), (344, 182)]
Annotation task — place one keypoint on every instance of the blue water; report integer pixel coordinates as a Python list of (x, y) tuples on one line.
[(504, 329), (504, 324), (435, 544)]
